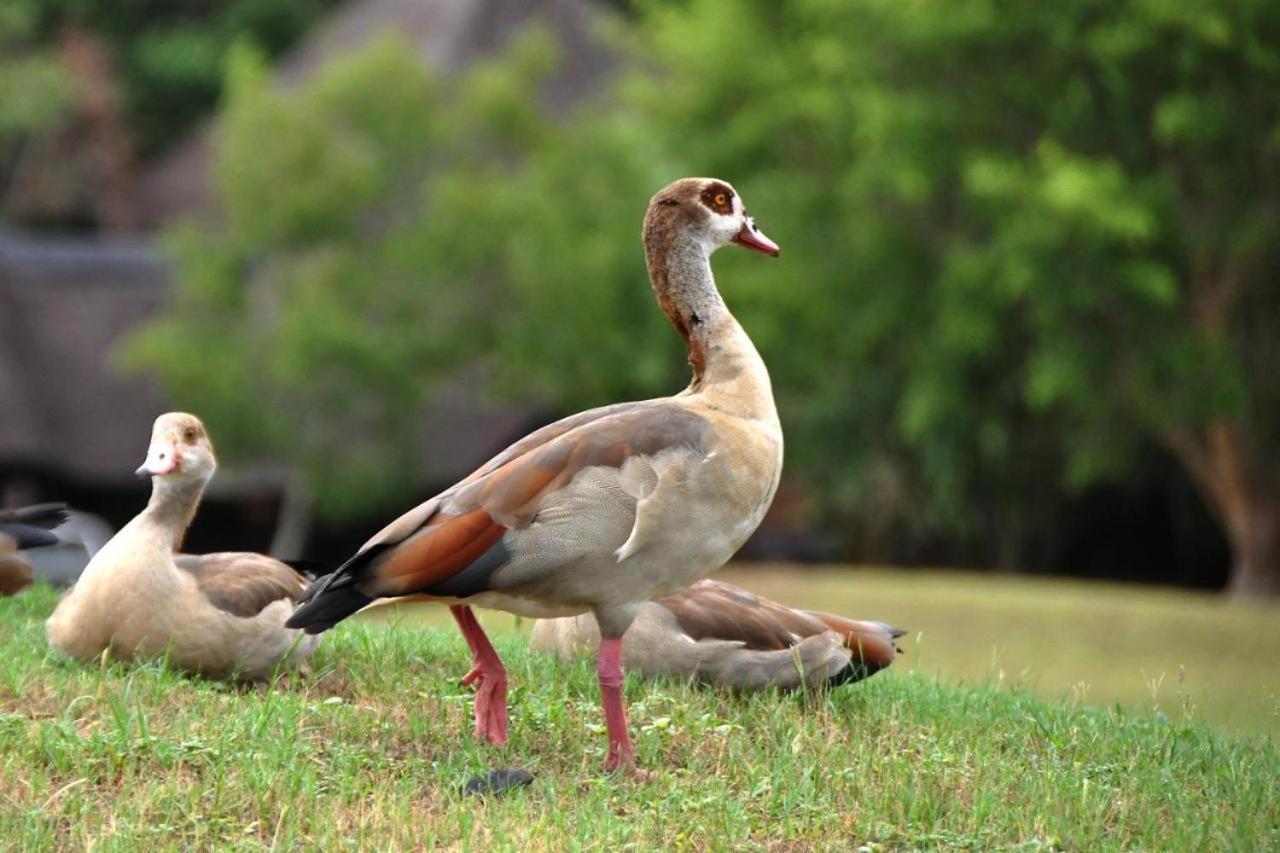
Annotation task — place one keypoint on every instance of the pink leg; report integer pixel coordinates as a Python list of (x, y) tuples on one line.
[(609, 669), (488, 676)]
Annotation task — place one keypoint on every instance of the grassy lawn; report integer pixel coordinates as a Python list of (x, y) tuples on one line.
[(371, 751)]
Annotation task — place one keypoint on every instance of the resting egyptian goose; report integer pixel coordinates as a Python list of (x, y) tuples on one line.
[(20, 529), (720, 634), (606, 509), (219, 615)]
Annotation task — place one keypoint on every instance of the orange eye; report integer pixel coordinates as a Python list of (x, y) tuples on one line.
[(720, 199)]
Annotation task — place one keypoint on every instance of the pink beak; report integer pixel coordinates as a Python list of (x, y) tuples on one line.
[(751, 237), (162, 458)]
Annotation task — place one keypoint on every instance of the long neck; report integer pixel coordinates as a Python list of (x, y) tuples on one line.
[(725, 363), (172, 506), (680, 271)]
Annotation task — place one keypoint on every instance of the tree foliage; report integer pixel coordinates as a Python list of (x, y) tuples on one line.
[(170, 55), (35, 93)]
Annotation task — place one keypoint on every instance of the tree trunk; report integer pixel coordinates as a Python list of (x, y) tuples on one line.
[(1255, 552), (1247, 509), (294, 522)]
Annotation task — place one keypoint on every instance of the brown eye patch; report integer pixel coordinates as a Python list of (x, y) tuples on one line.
[(718, 197), (189, 434)]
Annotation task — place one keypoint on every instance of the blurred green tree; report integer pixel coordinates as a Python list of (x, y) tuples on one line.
[(35, 94), (170, 55), (347, 273)]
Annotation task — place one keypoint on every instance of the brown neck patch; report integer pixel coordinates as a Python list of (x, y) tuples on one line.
[(668, 212)]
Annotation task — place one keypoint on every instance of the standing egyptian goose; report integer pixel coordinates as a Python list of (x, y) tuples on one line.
[(720, 634), (20, 529), (607, 509), (220, 615)]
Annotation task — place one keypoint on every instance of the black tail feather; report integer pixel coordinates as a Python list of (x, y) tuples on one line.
[(855, 671), (312, 570), (326, 603), (25, 536), (44, 516)]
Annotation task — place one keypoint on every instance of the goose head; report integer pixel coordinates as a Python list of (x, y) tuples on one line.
[(180, 450), (708, 211)]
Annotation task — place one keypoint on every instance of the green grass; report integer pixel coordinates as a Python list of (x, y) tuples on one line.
[(371, 751)]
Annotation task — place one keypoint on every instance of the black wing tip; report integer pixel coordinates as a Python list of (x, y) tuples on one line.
[(45, 516), (853, 672), (326, 603), (312, 570), (28, 536)]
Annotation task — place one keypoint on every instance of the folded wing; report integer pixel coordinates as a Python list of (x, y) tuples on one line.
[(721, 634), (242, 583), (451, 545)]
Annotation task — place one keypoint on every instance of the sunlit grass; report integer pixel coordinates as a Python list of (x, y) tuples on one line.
[(372, 749)]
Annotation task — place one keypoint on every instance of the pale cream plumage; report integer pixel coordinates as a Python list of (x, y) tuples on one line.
[(219, 615)]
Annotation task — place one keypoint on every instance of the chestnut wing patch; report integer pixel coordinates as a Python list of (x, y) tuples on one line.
[(242, 584), (871, 642), (446, 555)]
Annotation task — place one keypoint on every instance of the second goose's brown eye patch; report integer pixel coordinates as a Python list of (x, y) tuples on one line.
[(189, 434), (718, 197)]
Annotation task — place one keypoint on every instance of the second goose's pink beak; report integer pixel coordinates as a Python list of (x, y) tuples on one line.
[(751, 237), (162, 458)]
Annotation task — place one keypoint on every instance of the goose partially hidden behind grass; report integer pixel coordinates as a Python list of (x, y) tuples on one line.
[(720, 634), (219, 615)]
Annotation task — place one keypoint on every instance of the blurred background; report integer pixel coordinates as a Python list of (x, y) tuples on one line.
[(1026, 319)]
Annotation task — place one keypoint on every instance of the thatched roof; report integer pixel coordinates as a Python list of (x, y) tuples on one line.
[(65, 408), (64, 304), (449, 35)]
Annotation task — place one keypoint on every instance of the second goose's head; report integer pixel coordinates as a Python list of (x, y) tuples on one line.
[(180, 450), (706, 210)]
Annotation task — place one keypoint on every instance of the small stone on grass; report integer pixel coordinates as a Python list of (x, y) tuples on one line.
[(498, 782)]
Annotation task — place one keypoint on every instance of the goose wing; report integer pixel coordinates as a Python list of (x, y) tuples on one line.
[(242, 583), (452, 544)]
